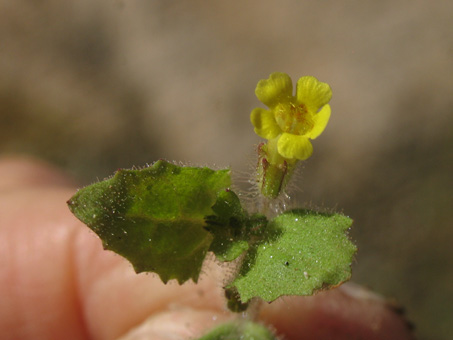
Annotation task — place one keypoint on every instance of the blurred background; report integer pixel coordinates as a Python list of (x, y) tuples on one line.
[(93, 86)]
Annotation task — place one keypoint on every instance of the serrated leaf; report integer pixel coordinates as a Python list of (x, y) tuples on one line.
[(154, 217), (303, 251)]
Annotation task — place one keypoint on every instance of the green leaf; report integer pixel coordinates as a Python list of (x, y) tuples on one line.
[(154, 217), (301, 252), (234, 302), (244, 330), (228, 227)]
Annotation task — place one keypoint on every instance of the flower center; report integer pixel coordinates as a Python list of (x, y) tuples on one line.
[(294, 119)]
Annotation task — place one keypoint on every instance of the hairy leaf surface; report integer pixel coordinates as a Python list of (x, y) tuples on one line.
[(154, 217), (301, 252)]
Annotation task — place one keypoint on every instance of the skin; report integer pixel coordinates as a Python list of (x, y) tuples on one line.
[(56, 282)]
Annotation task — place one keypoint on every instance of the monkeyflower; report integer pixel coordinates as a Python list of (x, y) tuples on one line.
[(288, 125)]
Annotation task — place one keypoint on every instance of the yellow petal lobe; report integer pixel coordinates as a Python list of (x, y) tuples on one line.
[(320, 121), (264, 123), (312, 93), (277, 89), (294, 146)]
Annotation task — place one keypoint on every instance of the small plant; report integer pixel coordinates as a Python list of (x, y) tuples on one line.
[(166, 218)]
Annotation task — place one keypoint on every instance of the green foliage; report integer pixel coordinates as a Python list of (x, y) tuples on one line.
[(154, 217), (301, 251), (244, 330), (165, 218)]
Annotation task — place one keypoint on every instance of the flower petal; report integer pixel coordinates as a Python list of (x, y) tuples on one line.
[(320, 119), (313, 93), (264, 123), (277, 89), (294, 146)]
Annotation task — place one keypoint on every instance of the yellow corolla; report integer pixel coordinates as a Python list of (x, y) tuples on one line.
[(291, 120)]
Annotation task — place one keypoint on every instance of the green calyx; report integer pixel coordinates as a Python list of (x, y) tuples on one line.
[(273, 171)]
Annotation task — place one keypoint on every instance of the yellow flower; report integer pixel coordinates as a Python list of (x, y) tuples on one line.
[(291, 120)]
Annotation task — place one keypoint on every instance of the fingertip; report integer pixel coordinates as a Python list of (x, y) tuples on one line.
[(348, 312)]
